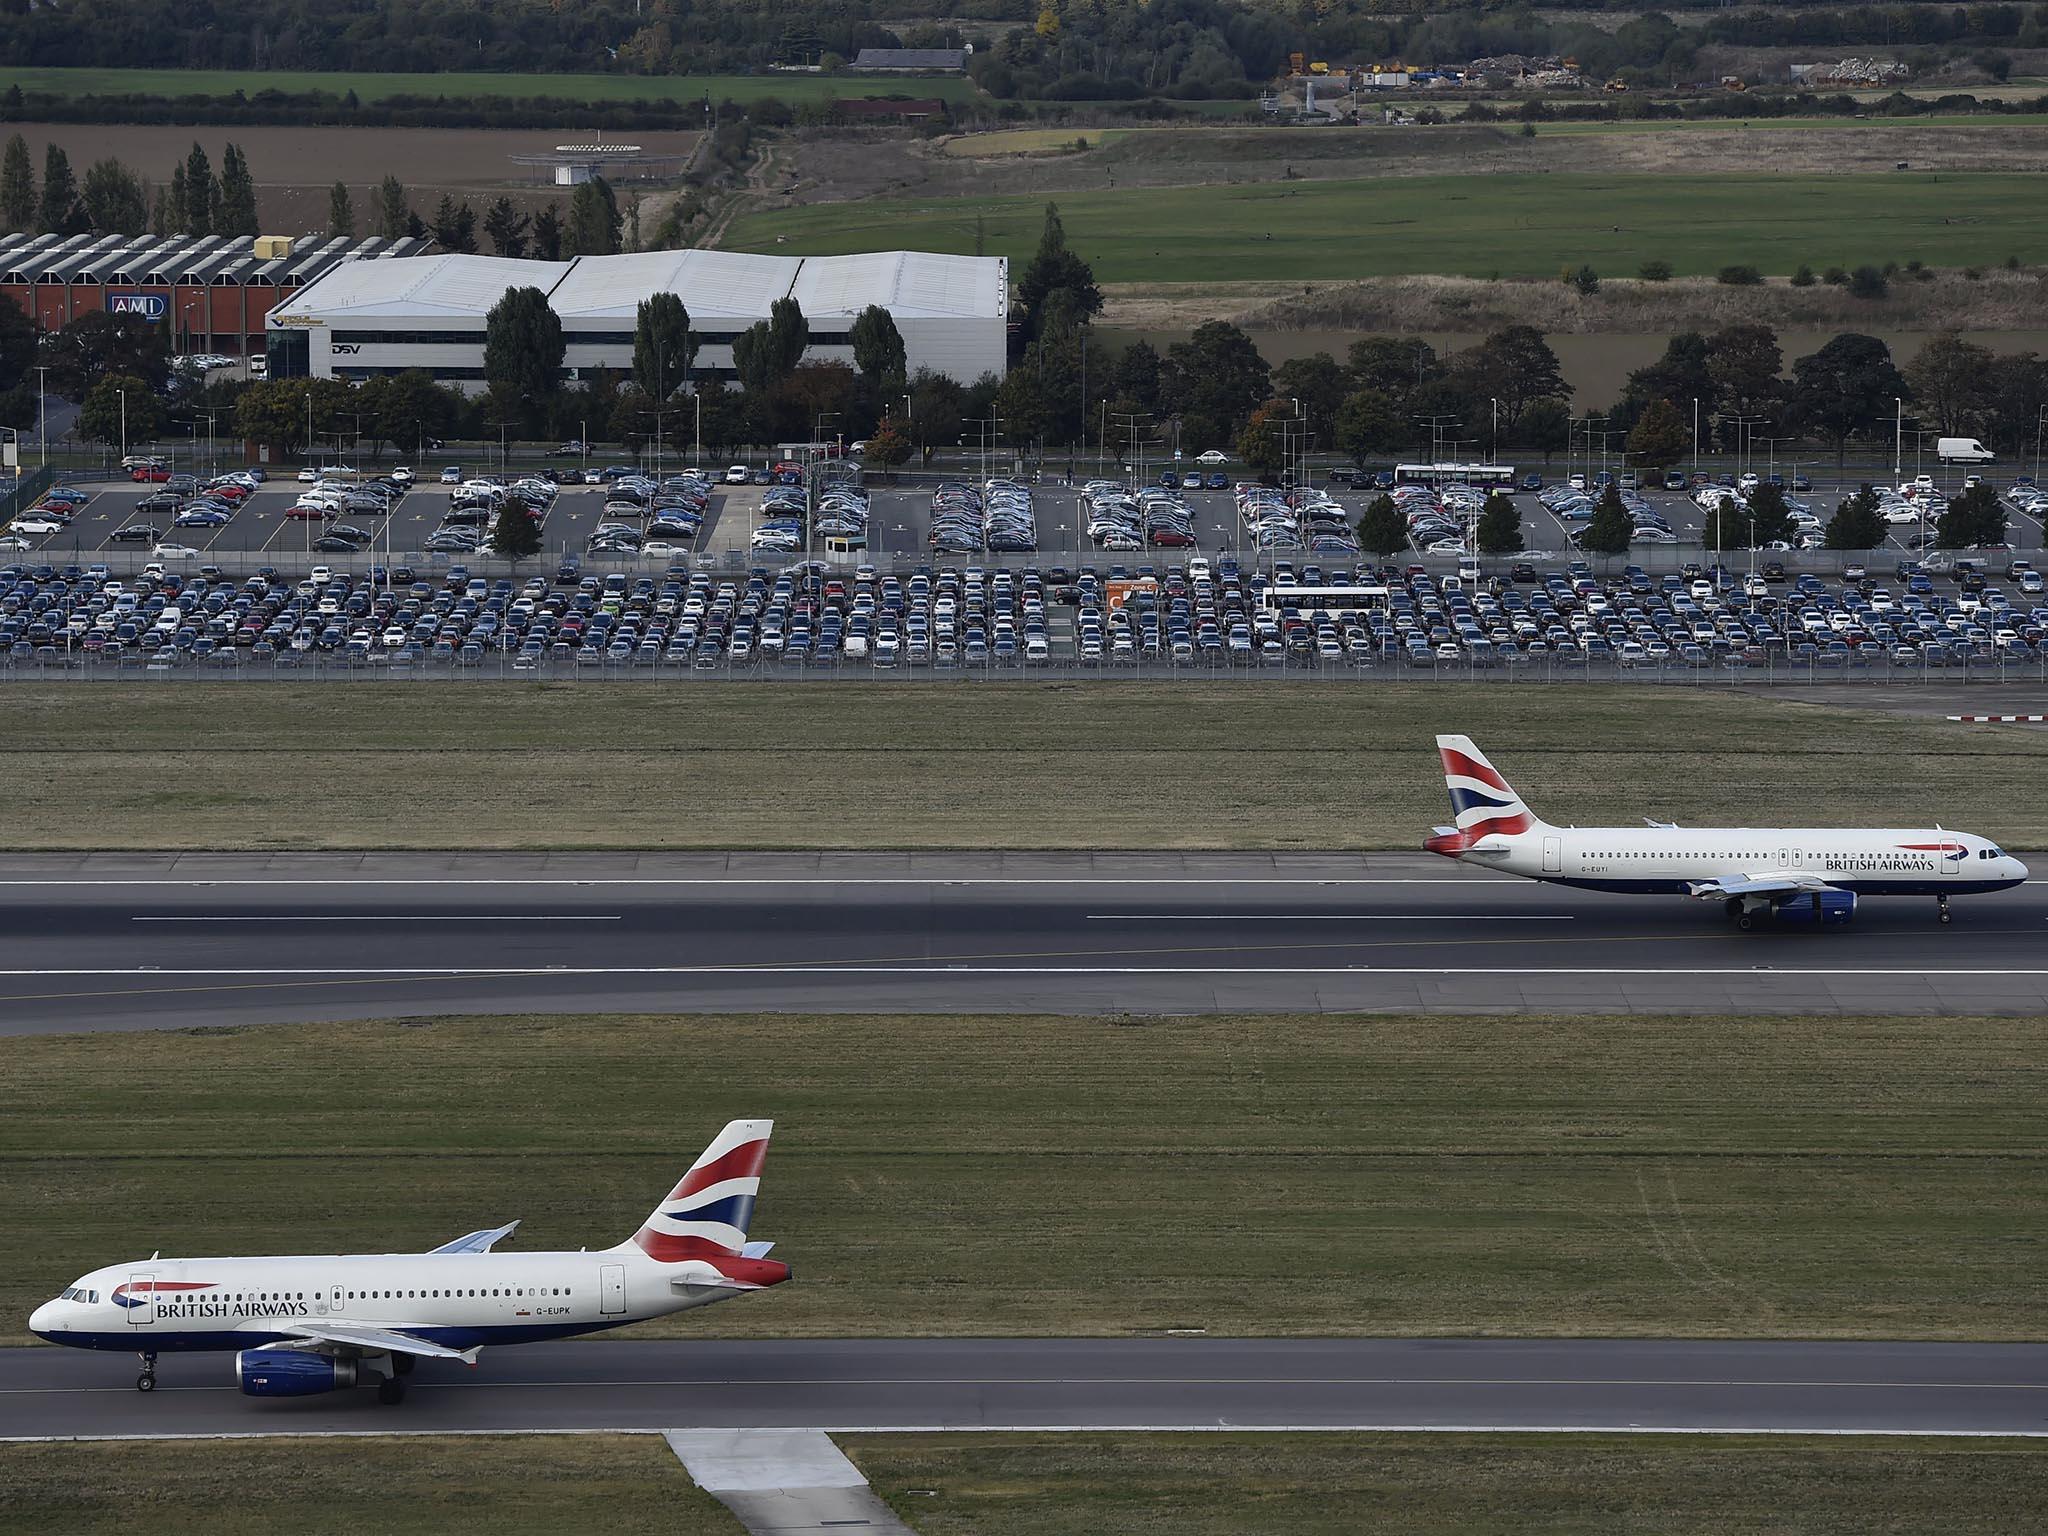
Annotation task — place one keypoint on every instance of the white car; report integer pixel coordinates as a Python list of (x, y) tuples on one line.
[(16, 541), (659, 551), (1213, 456), (402, 474), (739, 474), (175, 552), (309, 476), (35, 525), (452, 475)]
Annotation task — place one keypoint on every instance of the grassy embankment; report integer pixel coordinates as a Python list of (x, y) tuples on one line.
[(372, 88), (1439, 1176), (1054, 1485), (1513, 225), (1258, 763)]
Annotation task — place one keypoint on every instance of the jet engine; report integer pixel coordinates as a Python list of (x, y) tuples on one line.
[(291, 1372), (1818, 909)]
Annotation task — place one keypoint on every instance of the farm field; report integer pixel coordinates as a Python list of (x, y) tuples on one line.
[(1197, 764), (1506, 225), (295, 166), (1783, 1177), (378, 87)]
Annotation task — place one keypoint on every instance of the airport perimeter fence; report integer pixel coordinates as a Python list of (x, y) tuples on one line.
[(506, 668)]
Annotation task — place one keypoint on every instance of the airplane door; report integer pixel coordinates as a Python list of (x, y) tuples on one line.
[(327, 1301), (142, 1293), (612, 1288), (1553, 855), (1948, 857)]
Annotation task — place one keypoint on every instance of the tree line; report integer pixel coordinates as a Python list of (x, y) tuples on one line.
[(114, 200)]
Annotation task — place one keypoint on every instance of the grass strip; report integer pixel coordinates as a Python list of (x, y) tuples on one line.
[(976, 1176), (1224, 764)]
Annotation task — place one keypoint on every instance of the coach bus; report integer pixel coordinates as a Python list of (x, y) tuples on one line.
[(1483, 476)]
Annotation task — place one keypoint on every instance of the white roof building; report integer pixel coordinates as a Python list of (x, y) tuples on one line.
[(374, 317)]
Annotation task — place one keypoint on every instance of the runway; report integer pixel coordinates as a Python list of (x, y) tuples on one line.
[(114, 941), (1191, 1384)]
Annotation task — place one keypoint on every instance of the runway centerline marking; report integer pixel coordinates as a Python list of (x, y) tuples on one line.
[(395, 917)]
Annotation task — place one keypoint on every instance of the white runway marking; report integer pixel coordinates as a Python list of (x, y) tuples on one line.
[(342, 881), (398, 917), (982, 1427), (1329, 917), (942, 968)]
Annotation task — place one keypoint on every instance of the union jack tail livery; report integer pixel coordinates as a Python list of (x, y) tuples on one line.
[(707, 1215), (1482, 802)]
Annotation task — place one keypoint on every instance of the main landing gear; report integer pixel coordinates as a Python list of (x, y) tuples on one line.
[(146, 1382), (1941, 905), (391, 1390)]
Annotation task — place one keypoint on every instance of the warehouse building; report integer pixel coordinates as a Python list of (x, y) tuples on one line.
[(429, 312)]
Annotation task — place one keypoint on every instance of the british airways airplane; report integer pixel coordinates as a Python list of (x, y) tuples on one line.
[(1811, 875), (303, 1325)]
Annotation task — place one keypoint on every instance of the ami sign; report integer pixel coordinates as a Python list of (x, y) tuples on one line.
[(149, 306)]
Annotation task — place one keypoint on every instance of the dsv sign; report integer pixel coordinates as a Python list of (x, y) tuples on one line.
[(146, 306), (346, 349)]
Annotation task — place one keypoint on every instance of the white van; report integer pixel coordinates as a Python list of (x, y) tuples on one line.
[(1962, 450)]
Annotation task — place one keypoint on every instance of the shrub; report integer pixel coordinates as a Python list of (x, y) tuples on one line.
[(1803, 278), (1584, 279), (1916, 267), (1974, 274), (1738, 277), (1835, 277), (1655, 272), (1868, 283), (1528, 130), (2012, 263)]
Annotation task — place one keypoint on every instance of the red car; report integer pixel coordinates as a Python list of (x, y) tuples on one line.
[(149, 472), (307, 514)]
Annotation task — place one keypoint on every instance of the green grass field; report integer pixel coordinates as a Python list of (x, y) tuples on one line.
[(1510, 225), (1247, 764), (1453, 1485), (1432, 1176), (372, 88), (472, 1485)]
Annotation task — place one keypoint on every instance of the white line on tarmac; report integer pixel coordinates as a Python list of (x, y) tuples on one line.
[(1329, 917), (343, 879), (982, 1427), (400, 917), (941, 968)]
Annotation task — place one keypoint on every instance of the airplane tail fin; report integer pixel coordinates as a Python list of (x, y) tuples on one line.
[(1483, 803), (706, 1216)]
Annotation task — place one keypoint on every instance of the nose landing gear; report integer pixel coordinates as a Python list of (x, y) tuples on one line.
[(146, 1382), (1941, 908)]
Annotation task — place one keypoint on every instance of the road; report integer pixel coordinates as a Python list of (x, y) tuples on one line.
[(854, 1384), (120, 941)]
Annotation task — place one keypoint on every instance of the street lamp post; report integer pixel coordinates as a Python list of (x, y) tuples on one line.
[(124, 421), (1899, 438), (1695, 435), (43, 416)]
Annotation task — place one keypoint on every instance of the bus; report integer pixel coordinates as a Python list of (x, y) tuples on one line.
[(1338, 602), (1483, 476)]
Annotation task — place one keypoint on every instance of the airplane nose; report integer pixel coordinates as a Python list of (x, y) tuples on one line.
[(43, 1320)]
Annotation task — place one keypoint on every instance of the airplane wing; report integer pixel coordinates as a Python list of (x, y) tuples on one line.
[(1787, 883), (361, 1336), (478, 1242)]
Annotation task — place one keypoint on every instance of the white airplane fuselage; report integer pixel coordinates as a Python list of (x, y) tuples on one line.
[(1911, 861), (458, 1300)]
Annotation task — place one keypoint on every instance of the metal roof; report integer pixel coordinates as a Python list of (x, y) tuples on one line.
[(711, 284)]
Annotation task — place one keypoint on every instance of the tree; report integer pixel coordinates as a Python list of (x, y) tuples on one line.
[(515, 536), (60, 213), (18, 339), (1844, 388), (1611, 528), (17, 187), (878, 349), (1973, 519), (506, 227), (1682, 375), (1546, 426), (97, 344), (789, 336), (174, 218), (394, 209), (197, 212), (1770, 520), (341, 212), (407, 408), (1381, 531), (1521, 369), (1052, 269), (1659, 438), (1743, 364), (1320, 383), (888, 445), (523, 349), (663, 346), (1135, 378), (1869, 283), (1262, 445), (594, 223), (547, 233), (1857, 524), (1727, 527), (121, 408), (1368, 425), (938, 405), (1500, 526), (1213, 381), (277, 412), (1392, 365), (753, 359), (237, 195), (447, 225), (114, 200), (1951, 381), (2018, 394)]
